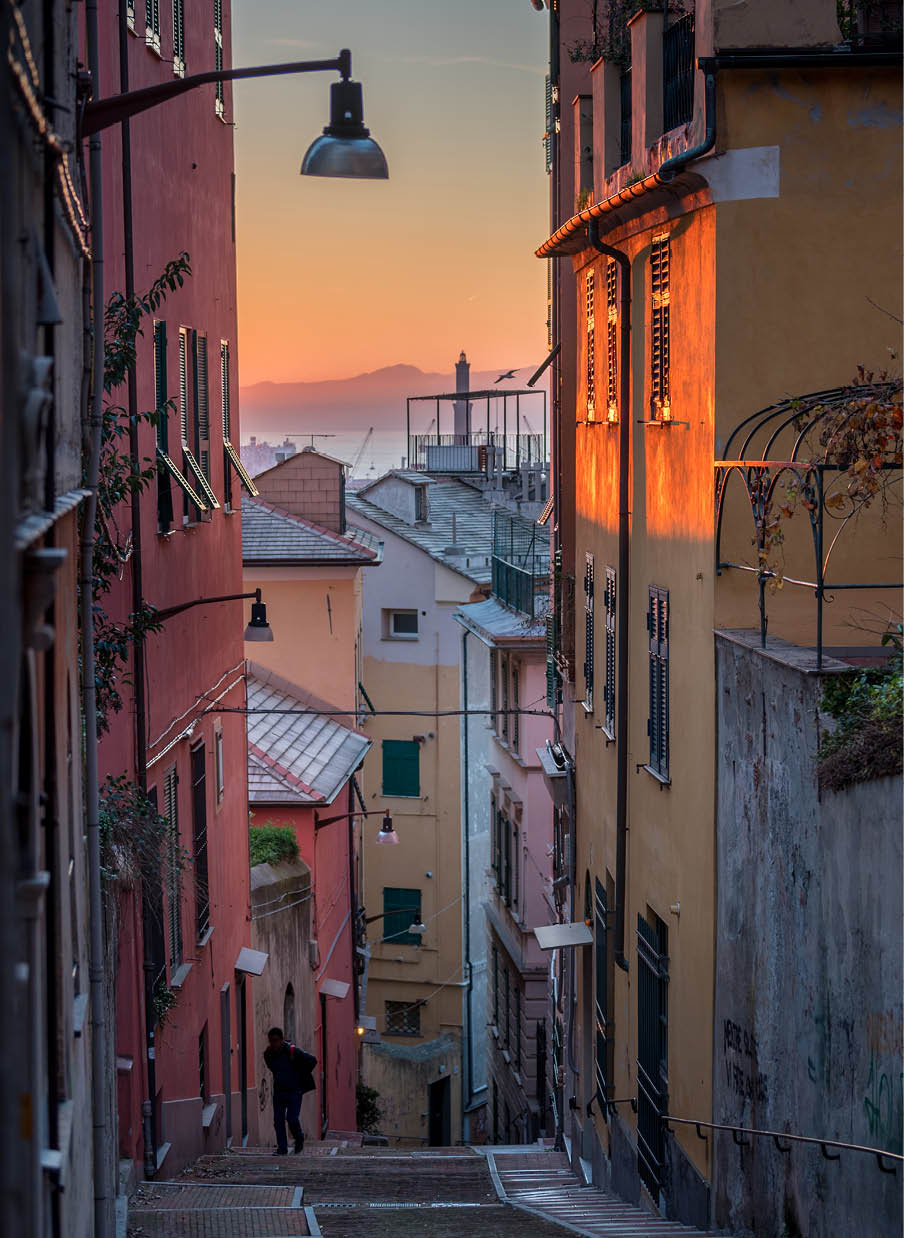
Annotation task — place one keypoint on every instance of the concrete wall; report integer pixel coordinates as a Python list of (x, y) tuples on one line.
[(285, 936), (402, 1074), (307, 485), (808, 1009), (396, 496)]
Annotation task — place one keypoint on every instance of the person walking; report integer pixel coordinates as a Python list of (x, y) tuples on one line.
[(293, 1075)]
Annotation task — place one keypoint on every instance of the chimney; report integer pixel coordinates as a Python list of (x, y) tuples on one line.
[(462, 407)]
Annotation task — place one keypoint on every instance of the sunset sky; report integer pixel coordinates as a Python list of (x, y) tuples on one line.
[(337, 277)]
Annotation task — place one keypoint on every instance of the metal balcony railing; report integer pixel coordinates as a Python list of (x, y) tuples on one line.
[(520, 563), (626, 114), (477, 452)]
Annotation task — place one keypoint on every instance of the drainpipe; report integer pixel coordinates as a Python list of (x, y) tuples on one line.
[(466, 902), (103, 1141), (572, 881), (622, 618)]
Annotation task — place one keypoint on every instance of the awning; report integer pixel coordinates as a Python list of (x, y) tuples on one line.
[(251, 961), (557, 936)]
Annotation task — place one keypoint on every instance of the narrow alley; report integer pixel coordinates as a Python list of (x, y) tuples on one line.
[(340, 1190)]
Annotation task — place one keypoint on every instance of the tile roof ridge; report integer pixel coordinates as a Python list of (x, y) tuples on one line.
[(285, 774), (309, 524)]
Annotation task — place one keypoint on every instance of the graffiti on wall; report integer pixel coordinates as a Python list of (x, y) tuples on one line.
[(883, 1099), (742, 1073)]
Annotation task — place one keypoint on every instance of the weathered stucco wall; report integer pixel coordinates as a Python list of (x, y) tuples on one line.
[(808, 1011), (281, 926)]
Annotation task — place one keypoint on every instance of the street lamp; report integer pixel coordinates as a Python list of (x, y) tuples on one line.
[(386, 834), (257, 630), (345, 148)]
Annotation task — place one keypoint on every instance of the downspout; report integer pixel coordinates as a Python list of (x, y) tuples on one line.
[(103, 1200), (148, 1116), (572, 881), (670, 169), (622, 615), (466, 902)]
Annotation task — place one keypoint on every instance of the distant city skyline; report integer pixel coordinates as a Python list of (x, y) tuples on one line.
[(322, 291)]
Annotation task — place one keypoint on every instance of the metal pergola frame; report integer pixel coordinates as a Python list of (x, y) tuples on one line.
[(469, 397), (760, 476)]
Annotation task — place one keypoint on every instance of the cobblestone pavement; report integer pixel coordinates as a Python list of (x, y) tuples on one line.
[(338, 1191)]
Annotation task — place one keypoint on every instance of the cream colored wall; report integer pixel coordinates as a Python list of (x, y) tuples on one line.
[(315, 614)]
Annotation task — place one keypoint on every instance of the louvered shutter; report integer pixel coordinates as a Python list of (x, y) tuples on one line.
[(658, 725), (203, 404), (179, 35), (609, 689), (601, 950), (174, 890), (552, 692), (590, 376), (401, 908), (660, 270), (183, 384), (612, 340), (218, 52), (160, 392), (401, 767)]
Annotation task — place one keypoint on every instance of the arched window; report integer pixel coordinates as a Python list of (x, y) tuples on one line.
[(289, 1013)]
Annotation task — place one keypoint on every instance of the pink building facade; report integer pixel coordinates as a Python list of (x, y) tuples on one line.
[(186, 1073)]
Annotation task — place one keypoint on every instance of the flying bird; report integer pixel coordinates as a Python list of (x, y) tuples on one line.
[(507, 374)]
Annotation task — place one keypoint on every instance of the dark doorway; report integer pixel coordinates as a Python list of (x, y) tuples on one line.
[(440, 1110), (243, 1053)]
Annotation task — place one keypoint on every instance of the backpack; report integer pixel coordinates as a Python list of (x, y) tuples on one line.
[(304, 1066)]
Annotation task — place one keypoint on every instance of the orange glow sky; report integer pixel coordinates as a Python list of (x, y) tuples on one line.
[(336, 277)]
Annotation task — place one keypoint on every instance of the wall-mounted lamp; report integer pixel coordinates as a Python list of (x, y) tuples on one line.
[(386, 833), (258, 629)]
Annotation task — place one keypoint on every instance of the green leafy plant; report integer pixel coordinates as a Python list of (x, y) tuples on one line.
[(165, 999), (866, 742), (610, 37), (368, 1113), (137, 843), (272, 844), (120, 477)]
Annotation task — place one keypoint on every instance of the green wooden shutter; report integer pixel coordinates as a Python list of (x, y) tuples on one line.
[(401, 767), (401, 908)]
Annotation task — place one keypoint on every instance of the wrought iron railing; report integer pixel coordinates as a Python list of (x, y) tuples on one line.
[(678, 72), (520, 562), (477, 452)]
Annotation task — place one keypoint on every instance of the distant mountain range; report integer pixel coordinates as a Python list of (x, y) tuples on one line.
[(375, 399)]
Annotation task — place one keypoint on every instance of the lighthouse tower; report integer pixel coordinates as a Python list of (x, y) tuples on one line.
[(462, 407)]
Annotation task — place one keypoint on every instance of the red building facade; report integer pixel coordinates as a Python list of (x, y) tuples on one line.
[(184, 1042)]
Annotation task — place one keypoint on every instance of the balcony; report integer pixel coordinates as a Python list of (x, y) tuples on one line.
[(476, 452), (493, 433), (520, 563)]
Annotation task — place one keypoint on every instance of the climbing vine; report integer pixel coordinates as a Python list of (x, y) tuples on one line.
[(610, 37), (120, 477), (138, 845)]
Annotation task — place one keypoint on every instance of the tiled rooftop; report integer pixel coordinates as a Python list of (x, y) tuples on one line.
[(270, 535), (297, 757), (473, 527), (491, 618)]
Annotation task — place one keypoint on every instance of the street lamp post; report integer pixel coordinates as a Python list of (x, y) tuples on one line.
[(345, 148), (257, 630)]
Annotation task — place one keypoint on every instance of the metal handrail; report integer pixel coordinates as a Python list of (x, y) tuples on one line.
[(778, 1136)]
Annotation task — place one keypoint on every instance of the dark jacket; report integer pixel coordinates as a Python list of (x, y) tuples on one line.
[(293, 1069)]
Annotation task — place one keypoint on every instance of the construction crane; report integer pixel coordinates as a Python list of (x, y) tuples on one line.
[(353, 467)]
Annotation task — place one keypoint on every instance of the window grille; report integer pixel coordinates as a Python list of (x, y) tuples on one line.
[(603, 1033), (589, 295), (179, 37), (174, 887), (199, 837), (516, 704), (624, 89), (609, 689), (678, 72), (218, 53), (401, 767), (231, 459), (652, 1048), (401, 909), (658, 723), (588, 633), (403, 1018), (152, 23), (611, 341), (660, 392)]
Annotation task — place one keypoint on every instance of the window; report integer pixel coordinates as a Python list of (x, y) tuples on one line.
[(421, 509), (401, 909), (507, 1007), (231, 458), (218, 53), (179, 37), (515, 866), (161, 398), (288, 1017), (199, 838), (660, 391), (624, 91), (400, 625), (516, 997), (588, 633), (401, 767), (652, 1048), (174, 890), (589, 295), (504, 667), (496, 985), (496, 841), (155, 939), (506, 835), (658, 722), (189, 421), (202, 404), (609, 688), (603, 1033), (611, 341), (219, 766), (494, 690), (678, 72), (152, 24), (403, 1019), (516, 704)]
